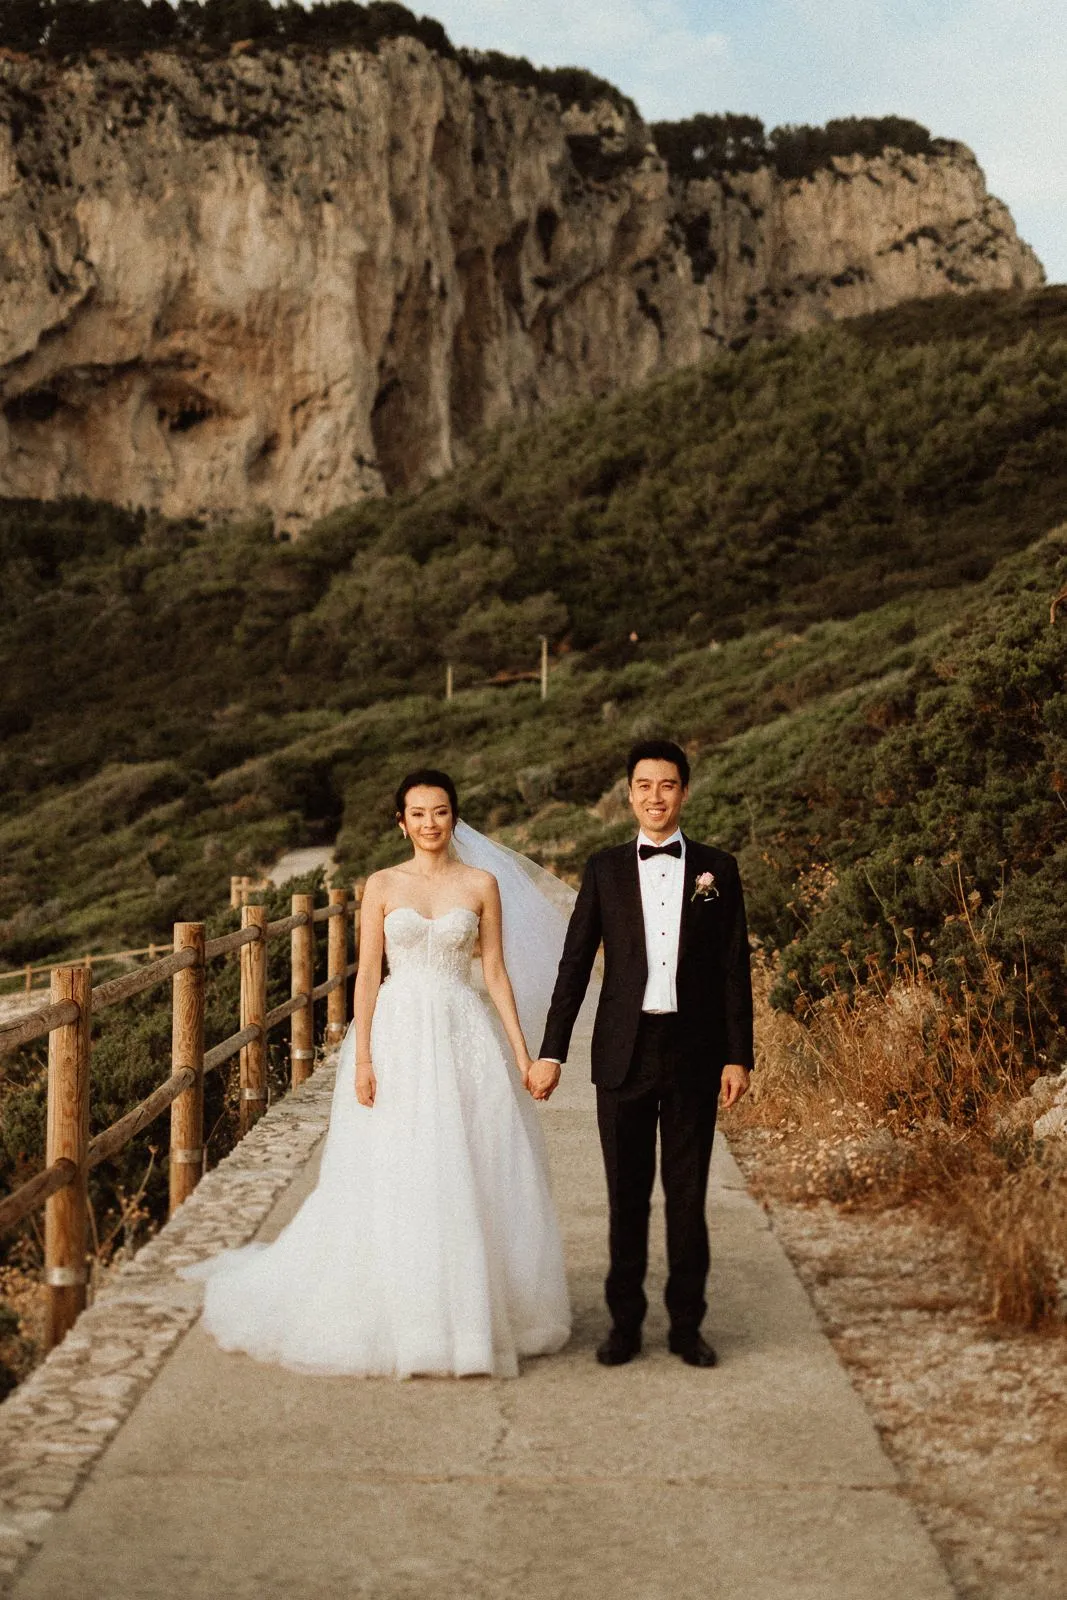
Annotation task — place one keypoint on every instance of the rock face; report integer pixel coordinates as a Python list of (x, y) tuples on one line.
[(289, 282), (1048, 1098)]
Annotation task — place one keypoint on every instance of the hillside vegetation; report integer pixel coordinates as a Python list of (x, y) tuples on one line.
[(822, 563), (826, 565)]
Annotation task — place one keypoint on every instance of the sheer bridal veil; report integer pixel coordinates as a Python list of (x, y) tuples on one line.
[(536, 909)]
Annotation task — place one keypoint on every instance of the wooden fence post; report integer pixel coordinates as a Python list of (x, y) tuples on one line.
[(302, 1046), (336, 961), (187, 1050), (235, 891), (66, 1213), (253, 1011)]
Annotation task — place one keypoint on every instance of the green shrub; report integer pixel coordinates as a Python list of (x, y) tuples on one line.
[(712, 146)]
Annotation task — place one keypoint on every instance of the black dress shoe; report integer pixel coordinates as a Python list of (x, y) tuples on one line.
[(618, 1348), (694, 1351)]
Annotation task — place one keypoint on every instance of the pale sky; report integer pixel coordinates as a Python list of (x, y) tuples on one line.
[(990, 72)]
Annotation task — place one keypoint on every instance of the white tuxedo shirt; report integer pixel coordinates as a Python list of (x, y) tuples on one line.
[(662, 880)]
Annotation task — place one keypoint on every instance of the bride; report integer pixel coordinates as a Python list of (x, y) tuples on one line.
[(430, 1244)]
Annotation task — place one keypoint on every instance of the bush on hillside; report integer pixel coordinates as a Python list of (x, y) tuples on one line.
[(390, 616), (955, 828)]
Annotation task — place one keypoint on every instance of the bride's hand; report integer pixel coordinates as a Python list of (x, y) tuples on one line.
[(366, 1083), (524, 1065)]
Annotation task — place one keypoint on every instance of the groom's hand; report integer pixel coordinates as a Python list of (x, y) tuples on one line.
[(734, 1085), (544, 1075)]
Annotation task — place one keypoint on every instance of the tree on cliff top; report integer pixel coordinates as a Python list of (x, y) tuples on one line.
[(63, 28), (66, 29), (706, 146), (697, 147)]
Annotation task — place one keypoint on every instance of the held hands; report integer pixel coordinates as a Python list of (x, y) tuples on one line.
[(542, 1078), (366, 1083)]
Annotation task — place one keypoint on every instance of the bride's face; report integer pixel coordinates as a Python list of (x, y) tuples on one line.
[(428, 820)]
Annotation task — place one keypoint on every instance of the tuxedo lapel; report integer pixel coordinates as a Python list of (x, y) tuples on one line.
[(630, 889), (688, 905)]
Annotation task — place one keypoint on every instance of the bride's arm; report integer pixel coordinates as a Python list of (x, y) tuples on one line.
[(368, 982), (496, 977)]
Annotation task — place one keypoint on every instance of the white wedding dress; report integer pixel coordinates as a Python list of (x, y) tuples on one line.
[(430, 1244)]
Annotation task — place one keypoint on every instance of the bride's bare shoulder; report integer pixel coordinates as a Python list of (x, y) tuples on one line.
[(481, 883), (377, 885)]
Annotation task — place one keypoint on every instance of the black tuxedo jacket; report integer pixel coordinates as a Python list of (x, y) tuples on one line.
[(714, 982)]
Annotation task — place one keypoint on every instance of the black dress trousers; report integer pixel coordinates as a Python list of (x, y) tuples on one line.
[(658, 1092)]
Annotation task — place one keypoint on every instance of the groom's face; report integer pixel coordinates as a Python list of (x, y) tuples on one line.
[(656, 797)]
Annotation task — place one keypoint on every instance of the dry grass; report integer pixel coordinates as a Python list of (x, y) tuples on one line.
[(896, 1093), (22, 1314)]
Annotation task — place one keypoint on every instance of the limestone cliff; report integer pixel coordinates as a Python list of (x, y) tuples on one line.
[(290, 282)]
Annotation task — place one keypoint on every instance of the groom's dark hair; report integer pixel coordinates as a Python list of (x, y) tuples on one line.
[(658, 750)]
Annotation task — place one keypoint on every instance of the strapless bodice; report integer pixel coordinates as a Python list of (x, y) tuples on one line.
[(441, 946)]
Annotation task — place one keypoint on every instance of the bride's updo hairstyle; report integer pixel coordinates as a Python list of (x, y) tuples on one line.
[(427, 778)]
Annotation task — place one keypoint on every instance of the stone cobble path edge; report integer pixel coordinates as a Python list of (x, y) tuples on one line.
[(56, 1425)]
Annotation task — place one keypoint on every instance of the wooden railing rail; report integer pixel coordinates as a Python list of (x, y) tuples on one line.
[(230, 941), (120, 1133), (36, 1023), (221, 1053), (28, 1196), (299, 1002), (14, 1034), (62, 1186), (329, 986), (324, 913), (26, 974), (116, 989)]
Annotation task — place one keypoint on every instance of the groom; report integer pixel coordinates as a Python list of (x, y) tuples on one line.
[(673, 1032)]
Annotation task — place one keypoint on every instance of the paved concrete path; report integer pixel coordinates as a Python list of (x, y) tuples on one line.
[(294, 863), (761, 1480)]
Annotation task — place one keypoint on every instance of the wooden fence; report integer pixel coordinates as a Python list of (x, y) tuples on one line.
[(62, 1187), (25, 975), (241, 887)]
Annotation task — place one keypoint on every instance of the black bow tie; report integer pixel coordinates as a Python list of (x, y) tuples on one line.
[(672, 849)]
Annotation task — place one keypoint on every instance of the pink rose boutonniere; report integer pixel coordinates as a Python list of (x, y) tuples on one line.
[(705, 888)]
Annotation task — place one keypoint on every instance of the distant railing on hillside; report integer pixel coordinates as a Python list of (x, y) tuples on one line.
[(24, 976), (241, 886), (70, 1155)]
